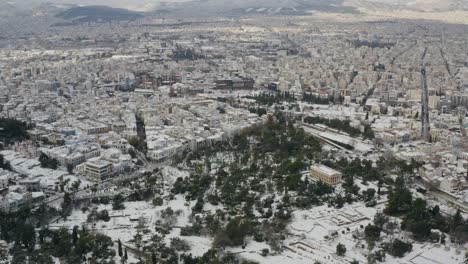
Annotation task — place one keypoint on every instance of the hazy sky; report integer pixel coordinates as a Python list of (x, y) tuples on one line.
[(146, 5), (140, 5)]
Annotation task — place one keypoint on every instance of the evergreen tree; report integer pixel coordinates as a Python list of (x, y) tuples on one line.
[(399, 248), (400, 199), (117, 203), (456, 220), (28, 236), (75, 235), (120, 248), (4, 164), (340, 250), (47, 162)]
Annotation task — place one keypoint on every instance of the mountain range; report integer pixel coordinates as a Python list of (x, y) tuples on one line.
[(230, 7), (80, 14)]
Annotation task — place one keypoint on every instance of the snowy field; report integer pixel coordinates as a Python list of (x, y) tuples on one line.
[(124, 224), (312, 235)]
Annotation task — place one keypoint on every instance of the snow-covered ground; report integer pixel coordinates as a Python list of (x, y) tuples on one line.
[(124, 224), (312, 235), (310, 239), (33, 170)]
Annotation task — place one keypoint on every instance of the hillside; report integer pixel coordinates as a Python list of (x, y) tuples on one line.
[(252, 7), (404, 5), (84, 14)]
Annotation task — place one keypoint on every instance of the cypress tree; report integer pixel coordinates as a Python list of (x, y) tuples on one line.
[(75, 235), (120, 249)]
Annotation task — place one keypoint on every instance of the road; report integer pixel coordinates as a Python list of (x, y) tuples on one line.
[(328, 137), (445, 198)]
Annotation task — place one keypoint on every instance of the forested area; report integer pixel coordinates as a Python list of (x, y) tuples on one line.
[(268, 99), (258, 178), (12, 130)]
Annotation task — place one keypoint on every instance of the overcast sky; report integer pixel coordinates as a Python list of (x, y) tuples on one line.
[(140, 5), (146, 5)]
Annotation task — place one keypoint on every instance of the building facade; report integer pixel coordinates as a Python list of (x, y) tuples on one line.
[(326, 174)]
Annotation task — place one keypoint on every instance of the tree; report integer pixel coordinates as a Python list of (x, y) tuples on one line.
[(378, 255), (67, 204), (456, 220), (139, 144), (101, 247), (380, 220), (47, 162), (76, 185), (125, 255), (153, 258), (12, 130), (461, 233), (70, 168), (75, 235), (368, 195), (400, 199), (179, 244), (399, 248), (3, 254), (4, 164), (28, 236), (40, 257), (104, 215), (372, 233), (417, 220), (120, 248), (62, 242), (234, 234), (340, 250), (117, 203)]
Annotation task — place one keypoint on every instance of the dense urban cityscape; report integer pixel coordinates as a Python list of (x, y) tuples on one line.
[(262, 131)]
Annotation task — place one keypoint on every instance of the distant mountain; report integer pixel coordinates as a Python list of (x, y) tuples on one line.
[(94, 10), (413, 5), (83, 14), (252, 7), (8, 9)]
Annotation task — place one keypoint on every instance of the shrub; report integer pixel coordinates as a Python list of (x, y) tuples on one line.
[(179, 244), (158, 201), (340, 250), (398, 248)]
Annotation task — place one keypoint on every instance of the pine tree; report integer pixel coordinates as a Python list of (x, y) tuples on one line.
[(125, 254), (120, 248), (340, 250), (153, 258), (457, 220), (41, 236), (75, 235)]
